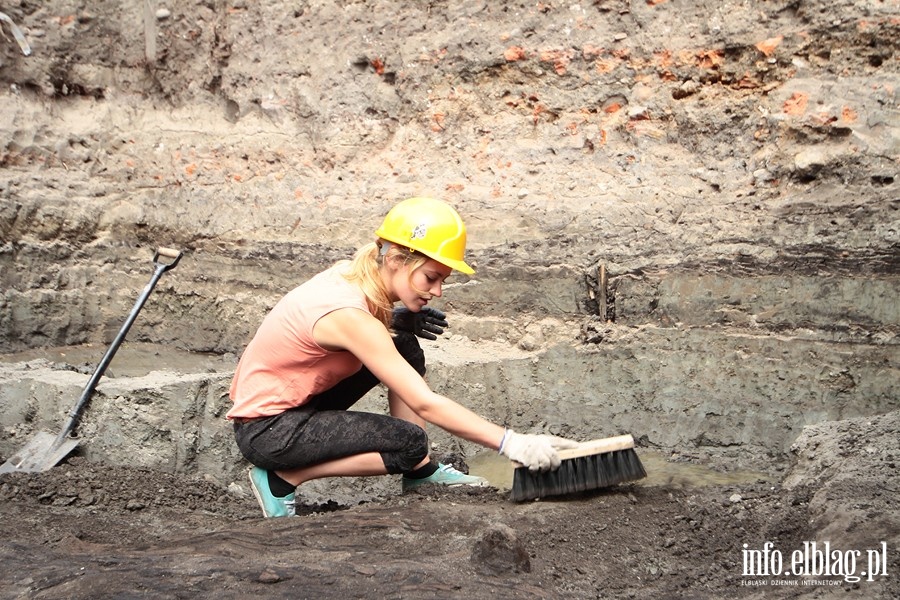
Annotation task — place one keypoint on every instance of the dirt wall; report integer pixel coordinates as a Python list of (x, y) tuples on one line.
[(701, 196)]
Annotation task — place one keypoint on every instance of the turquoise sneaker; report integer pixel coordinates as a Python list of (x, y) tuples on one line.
[(272, 506), (445, 475)]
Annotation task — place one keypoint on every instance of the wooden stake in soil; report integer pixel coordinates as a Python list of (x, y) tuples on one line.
[(150, 31), (601, 287)]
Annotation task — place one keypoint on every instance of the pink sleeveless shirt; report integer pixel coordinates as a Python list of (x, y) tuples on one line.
[(283, 366)]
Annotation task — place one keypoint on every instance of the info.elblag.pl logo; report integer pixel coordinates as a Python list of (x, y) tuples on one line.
[(815, 563)]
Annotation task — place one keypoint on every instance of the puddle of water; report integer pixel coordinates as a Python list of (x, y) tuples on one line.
[(131, 359), (660, 472)]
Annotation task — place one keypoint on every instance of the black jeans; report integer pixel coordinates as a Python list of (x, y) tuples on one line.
[(324, 429)]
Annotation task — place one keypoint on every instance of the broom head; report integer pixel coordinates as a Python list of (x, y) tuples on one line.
[(592, 465)]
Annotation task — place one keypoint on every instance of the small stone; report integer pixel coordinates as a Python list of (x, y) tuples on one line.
[(528, 343), (269, 576), (810, 159), (690, 86), (135, 505), (500, 551), (735, 498), (638, 113), (762, 176), (163, 14)]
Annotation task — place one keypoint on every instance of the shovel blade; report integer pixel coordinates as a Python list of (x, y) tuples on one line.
[(39, 454)]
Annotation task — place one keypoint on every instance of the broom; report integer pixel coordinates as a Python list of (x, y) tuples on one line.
[(592, 465)]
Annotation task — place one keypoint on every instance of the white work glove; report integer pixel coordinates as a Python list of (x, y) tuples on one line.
[(537, 452)]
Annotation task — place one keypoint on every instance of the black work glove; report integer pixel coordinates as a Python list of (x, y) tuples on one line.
[(428, 323)]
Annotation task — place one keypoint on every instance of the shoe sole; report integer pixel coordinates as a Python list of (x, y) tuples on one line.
[(256, 495)]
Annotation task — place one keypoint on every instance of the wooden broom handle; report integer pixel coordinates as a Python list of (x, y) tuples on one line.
[(589, 448), (601, 446)]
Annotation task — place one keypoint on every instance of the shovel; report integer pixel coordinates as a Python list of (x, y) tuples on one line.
[(45, 449)]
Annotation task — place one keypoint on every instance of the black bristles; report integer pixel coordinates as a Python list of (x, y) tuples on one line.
[(580, 474)]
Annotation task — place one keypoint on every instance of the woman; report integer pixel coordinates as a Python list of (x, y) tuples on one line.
[(329, 341)]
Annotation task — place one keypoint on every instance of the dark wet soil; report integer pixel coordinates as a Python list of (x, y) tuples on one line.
[(83, 530)]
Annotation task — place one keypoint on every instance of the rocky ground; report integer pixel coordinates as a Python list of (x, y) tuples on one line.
[(684, 219), (92, 531)]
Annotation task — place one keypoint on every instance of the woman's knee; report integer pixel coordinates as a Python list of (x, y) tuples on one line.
[(410, 455)]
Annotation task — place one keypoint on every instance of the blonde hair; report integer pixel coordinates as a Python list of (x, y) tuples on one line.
[(364, 269)]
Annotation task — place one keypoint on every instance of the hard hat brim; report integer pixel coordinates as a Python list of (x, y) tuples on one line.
[(456, 265)]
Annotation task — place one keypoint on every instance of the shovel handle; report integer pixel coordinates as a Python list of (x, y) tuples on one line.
[(161, 267), (170, 253)]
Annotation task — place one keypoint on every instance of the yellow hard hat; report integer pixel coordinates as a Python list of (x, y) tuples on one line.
[(428, 226)]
